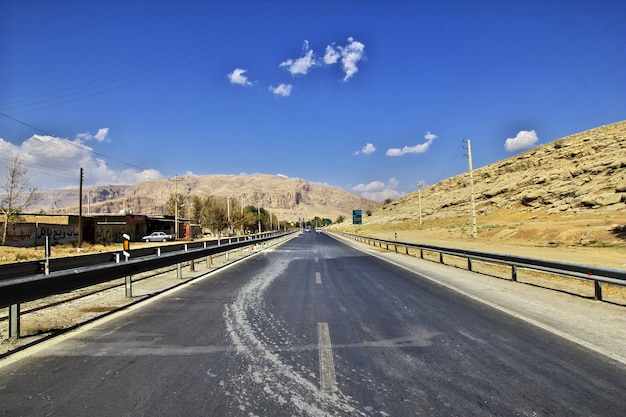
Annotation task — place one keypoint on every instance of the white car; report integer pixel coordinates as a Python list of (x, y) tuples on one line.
[(157, 237)]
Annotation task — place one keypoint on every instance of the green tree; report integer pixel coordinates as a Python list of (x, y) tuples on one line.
[(16, 193), (170, 205)]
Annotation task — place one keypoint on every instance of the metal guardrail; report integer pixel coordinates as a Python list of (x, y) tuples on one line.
[(77, 274), (19, 289), (21, 269), (596, 274)]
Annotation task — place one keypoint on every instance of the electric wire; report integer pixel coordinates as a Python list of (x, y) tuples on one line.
[(160, 65)]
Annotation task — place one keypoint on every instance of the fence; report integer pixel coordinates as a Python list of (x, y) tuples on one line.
[(78, 273), (598, 275)]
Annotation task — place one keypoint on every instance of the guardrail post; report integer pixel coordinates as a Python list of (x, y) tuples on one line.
[(421, 253), (597, 286), (440, 257), (407, 249), (179, 272), (14, 321), (469, 264), (514, 272), (129, 286), (396, 246)]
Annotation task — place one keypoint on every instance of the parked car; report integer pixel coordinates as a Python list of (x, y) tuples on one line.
[(157, 237)]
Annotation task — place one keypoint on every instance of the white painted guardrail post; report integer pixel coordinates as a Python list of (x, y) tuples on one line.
[(14, 321)]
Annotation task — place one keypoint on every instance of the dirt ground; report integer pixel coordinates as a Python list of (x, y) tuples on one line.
[(587, 239), (597, 240)]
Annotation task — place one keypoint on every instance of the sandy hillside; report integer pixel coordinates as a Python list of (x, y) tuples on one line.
[(565, 200)]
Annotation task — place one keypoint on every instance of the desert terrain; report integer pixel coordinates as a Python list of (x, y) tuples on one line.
[(562, 201), (583, 239)]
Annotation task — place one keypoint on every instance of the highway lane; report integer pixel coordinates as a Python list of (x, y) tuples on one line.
[(315, 328)]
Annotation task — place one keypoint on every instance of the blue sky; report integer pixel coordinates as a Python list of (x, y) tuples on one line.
[(374, 97)]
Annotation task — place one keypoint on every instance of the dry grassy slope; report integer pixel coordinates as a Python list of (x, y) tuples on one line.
[(570, 192), (288, 198)]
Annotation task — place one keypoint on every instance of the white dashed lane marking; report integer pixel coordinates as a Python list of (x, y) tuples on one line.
[(328, 382)]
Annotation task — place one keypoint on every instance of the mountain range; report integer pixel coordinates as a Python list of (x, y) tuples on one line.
[(290, 199)]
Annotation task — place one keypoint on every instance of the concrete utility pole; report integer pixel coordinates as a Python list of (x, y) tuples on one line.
[(176, 179), (471, 175), (228, 211), (80, 210), (420, 184)]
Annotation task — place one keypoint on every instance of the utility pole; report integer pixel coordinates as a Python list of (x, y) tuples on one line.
[(420, 184), (228, 210), (471, 176), (80, 210), (176, 179)]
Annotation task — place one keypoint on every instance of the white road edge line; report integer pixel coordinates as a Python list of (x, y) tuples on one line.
[(328, 382), (318, 278)]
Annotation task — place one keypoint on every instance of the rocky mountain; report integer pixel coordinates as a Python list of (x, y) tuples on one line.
[(581, 173), (288, 198)]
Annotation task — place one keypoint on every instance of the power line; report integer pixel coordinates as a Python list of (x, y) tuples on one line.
[(178, 59)]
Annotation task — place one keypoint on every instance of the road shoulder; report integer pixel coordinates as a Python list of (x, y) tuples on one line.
[(596, 325)]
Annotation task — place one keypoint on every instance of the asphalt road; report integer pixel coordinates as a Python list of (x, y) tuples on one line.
[(314, 328)]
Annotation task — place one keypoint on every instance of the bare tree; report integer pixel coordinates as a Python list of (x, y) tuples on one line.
[(15, 194)]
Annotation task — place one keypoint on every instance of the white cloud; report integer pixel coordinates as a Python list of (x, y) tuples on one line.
[(524, 140), (302, 64), (101, 136), (282, 90), (238, 77), (54, 163), (331, 56), (420, 148), (378, 190), (367, 149), (350, 55)]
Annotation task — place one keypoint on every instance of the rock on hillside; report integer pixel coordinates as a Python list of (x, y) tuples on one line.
[(585, 172), (288, 198)]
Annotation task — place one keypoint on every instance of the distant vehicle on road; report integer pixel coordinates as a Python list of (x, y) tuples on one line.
[(157, 237), (318, 230)]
